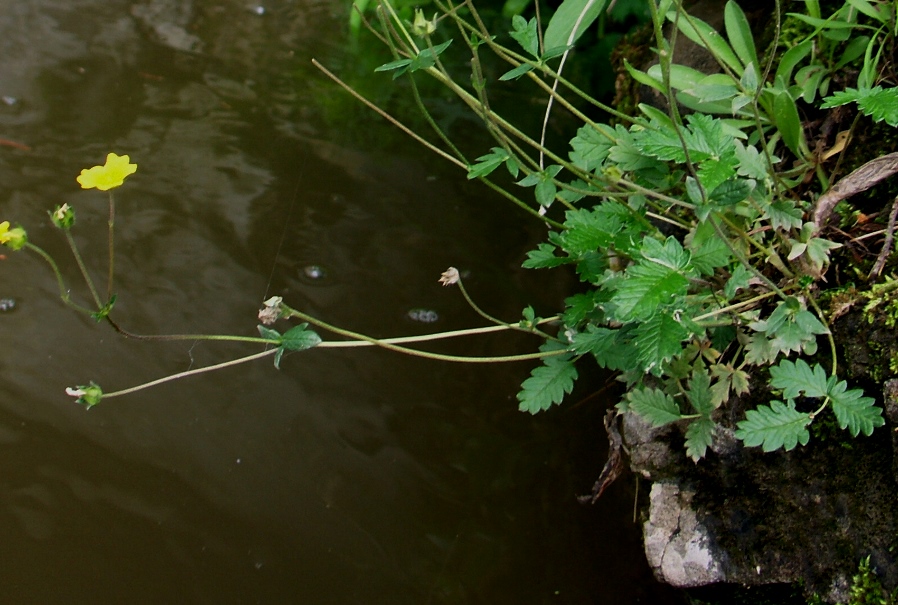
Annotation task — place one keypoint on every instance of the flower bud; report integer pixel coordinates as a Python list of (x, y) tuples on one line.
[(421, 26), (63, 217), (88, 396)]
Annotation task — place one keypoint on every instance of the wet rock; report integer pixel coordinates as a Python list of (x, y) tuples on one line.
[(744, 516), (678, 546)]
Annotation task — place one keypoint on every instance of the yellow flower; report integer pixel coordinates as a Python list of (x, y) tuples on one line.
[(12, 238), (110, 175)]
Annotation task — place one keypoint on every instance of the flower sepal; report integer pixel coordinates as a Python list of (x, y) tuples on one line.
[(14, 238), (63, 217), (88, 396)]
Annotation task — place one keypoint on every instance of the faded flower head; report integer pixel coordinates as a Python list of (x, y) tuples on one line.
[(63, 217), (449, 276), (271, 310), (88, 396), (108, 176), (421, 26), (14, 238)]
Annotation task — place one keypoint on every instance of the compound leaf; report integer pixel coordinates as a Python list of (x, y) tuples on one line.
[(798, 378), (658, 339), (544, 257), (547, 384), (699, 393), (654, 405), (855, 411), (699, 436), (775, 426), (298, 338)]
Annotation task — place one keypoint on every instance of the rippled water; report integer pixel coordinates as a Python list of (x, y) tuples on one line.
[(352, 476)]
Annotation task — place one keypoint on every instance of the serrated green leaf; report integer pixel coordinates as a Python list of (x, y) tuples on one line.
[(657, 340), (818, 251), (731, 191), (878, 103), (596, 341), (654, 405), (775, 426), (544, 257), (699, 437), (708, 250), (843, 97), (784, 215), (580, 307), (547, 384), (647, 286), (589, 230), (799, 379), (525, 34), (591, 146), (751, 162), (855, 411), (488, 163), (298, 338), (699, 393), (728, 379), (269, 333), (760, 350)]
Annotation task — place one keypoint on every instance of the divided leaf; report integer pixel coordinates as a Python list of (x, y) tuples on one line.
[(775, 426), (854, 411), (657, 340), (654, 405), (799, 379), (547, 384), (699, 437)]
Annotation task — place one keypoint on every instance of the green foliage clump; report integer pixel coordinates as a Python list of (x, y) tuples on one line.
[(701, 255)]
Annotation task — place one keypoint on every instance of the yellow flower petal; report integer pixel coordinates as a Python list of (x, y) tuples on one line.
[(108, 176), (4, 232)]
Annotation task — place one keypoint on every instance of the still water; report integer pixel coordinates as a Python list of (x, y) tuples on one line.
[(354, 476)]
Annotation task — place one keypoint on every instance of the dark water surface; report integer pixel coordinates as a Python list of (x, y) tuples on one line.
[(350, 476)]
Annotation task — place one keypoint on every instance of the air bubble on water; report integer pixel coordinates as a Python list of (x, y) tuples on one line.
[(314, 272), (425, 316)]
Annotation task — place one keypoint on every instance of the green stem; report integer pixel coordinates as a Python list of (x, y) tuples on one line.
[(432, 147), (289, 312), (180, 375), (111, 245), (829, 332), (63, 291), (490, 318), (734, 307), (83, 268)]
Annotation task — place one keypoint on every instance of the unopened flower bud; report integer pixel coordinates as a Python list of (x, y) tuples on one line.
[(63, 217), (421, 26), (88, 396)]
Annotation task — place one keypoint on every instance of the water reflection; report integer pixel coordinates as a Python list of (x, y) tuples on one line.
[(347, 477)]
